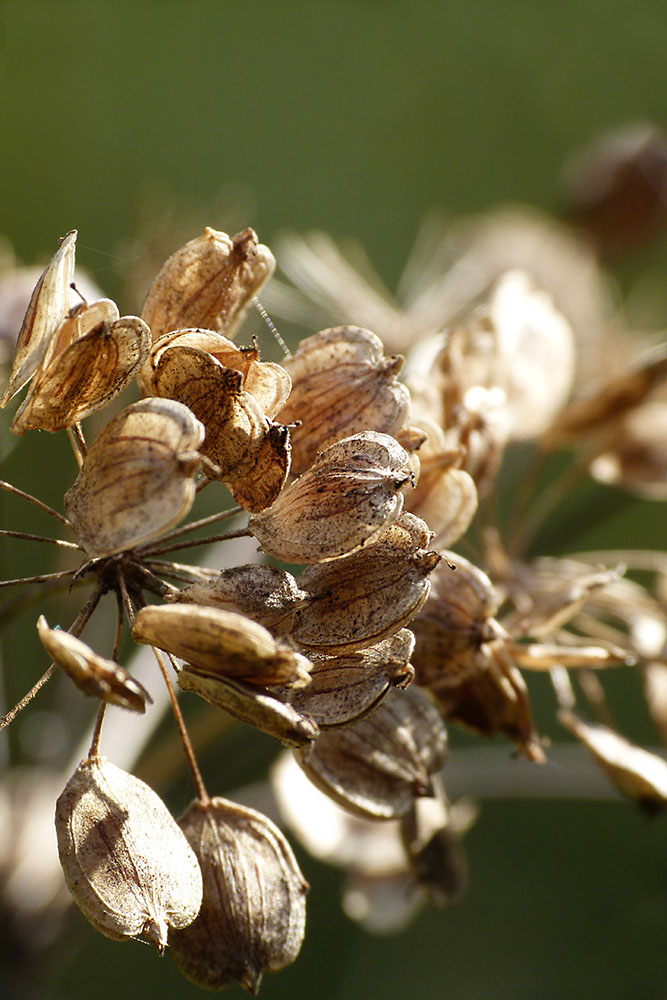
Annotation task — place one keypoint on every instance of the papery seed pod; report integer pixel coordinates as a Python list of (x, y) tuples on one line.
[(92, 673), (636, 459), (341, 384), (345, 500), (46, 310), (436, 855), (376, 767), (361, 599), (638, 774), (344, 688), (220, 643), (137, 479), (261, 485), (268, 595), (210, 283), (257, 706), (252, 918), (126, 863)]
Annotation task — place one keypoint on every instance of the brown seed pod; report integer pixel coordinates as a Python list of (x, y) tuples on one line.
[(341, 384), (253, 914), (361, 599), (376, 767), (126, 862), (266, 594), (345, 500), (636, 459), (46, 311), (137, 479), (92, 673), (261, 486), (210, 283), (220, 644)]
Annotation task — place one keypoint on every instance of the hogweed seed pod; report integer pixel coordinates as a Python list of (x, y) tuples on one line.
[(127, 864), (253, 914)]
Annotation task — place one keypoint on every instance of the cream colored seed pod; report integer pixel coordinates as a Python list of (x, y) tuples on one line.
[(252, 918), (126, 863), (220, 643), (376, 767), (341, 384), (345, 500), (137, 479), (210, 282)]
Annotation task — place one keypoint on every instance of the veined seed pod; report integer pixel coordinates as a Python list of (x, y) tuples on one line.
[(253, 914), (261, 485), (347, 498), (210, 283), (127, 864)]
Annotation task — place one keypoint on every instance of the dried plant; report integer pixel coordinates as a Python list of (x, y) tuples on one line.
[(379, 632)]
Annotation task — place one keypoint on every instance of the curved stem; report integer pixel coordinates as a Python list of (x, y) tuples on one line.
[(39, 538), (38, 503), (241, 533), (94, 750)]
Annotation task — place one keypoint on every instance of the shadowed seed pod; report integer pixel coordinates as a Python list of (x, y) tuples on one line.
[(253, 914), (137, 479), (375, 767), (346, 499), (91, 673), (126, 862), (210, 282)]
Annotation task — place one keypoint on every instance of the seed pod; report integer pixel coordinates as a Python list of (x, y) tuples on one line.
[(46, 311), (220, 644), (345, 500), (376, 767), (434, 850), (344, 688), (636, 459), (256, 706), (127, 864), (361, 599), (261, 486), (92, 673), (210, 283), (137, 479), (341, 384), (268, 595), (253, 914)]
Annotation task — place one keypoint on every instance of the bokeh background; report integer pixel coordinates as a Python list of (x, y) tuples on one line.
[(138, 122)]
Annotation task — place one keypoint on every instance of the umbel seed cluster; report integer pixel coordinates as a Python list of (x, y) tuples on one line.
[(360, 631)]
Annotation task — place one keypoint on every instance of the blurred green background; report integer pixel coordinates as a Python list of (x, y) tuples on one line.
[(357, 118)]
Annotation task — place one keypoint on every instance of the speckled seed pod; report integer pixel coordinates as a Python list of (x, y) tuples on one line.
[(127, 864), (376, 767), (210, 282), (347, 498), (261, 485), (253, 915)]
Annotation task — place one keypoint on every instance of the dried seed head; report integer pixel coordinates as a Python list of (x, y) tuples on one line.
[(637, 456), (342, 384), (92, 673), (252, 918), (345, 500), (376, 767), (210, 282), (46, 311), (220, 644), (137, 479), (361, 599), (266, 594), (127, 864)]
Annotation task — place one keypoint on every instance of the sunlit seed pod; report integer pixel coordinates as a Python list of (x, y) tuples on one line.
[(137, 479), (637, 773), (126, 862), (377, 766), (259, 707), (91, 673), (210, 283), (547, 655), (344, 688), (221, 643), (266, 594), (342, 384), (86, 376), (46, 311), (655, 691), (252, 918), (636, 459), (363, 598), (346, 499), (262, 484)]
